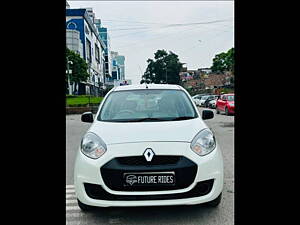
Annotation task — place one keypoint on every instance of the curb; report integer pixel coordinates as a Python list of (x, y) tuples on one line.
[(80, 110)]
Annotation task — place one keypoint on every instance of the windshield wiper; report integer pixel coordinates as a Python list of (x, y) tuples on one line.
[(136, 120), (165, 119), (183, 118), (149, 119)]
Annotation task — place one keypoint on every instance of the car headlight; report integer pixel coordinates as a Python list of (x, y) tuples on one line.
[(204, 142), (231, 104), (92, 146)]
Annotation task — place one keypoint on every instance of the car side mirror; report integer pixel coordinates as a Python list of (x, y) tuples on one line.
[(87, 117), (207, 114)]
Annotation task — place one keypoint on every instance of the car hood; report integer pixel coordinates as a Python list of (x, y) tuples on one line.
[(171, 131), (230, 102)]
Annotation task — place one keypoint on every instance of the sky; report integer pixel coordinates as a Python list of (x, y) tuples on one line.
[(194, 30)]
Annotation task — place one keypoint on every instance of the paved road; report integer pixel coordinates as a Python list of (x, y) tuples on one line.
[(223, 127)]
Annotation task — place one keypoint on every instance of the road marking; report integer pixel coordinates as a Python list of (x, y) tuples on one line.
[(70, 186), (73, 215), (70, 191), (74, 222), (71, 208), (73, 201), (70, 196)]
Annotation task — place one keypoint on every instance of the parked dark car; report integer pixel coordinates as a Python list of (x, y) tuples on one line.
[(212, 103), (209, 98)]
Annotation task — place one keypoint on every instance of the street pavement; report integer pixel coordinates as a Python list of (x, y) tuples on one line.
[(223, 128)]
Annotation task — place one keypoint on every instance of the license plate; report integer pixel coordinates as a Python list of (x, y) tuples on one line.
[(149, 179)]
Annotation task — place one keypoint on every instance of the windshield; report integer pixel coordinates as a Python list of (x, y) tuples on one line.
[(230, 97), (204, 97), (147, 105)]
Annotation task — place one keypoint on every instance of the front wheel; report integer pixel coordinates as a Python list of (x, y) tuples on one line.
[(226, 111), (215, 202)]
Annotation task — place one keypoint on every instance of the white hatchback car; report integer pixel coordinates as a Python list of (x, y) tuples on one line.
[(196, 99), (148, 146)]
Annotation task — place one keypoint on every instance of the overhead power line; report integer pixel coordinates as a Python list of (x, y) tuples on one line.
[(200, 23), (146, 29), (126, 21), (134, 28), (172, 25)]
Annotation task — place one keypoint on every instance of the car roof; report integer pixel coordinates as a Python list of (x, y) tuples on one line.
[(150, 86)]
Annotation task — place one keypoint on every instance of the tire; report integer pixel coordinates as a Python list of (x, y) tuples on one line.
[(215, 202), (226, 111), (84, 207)]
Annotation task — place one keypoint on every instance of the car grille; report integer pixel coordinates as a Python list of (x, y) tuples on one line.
[(140, 160), (95, 191), (113, 172)]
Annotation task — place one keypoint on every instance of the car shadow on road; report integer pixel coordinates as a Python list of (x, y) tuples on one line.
[(156, 215)]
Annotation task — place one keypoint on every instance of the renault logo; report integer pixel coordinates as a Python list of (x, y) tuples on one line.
[(149, 154)]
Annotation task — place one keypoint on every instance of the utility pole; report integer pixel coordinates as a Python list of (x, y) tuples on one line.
[(90, 84), (166, 67), (68, 69), (166, 74)]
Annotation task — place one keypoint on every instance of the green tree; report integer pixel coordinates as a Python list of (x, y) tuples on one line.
[(223, 62), (164, 68), (79, 67)]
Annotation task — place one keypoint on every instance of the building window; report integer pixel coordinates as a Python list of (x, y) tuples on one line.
[(87, 30), (97, 55), (88, 50)]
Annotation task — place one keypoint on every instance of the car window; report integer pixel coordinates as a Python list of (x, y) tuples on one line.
[(230, 97), (134, 105)]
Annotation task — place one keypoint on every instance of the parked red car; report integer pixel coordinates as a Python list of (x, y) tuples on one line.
[(225, 104)]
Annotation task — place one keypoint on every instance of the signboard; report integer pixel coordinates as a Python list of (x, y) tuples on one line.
[(124, 83)]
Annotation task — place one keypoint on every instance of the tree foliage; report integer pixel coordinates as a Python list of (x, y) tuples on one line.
[(223, 62), (79, 67), (164, 68)]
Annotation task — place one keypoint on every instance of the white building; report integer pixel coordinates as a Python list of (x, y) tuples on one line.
[(73, 41), (82, 36), (118, 67), (104, 36)]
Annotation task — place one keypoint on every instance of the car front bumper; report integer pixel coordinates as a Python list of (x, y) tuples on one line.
[(208, 167), (231, 109)]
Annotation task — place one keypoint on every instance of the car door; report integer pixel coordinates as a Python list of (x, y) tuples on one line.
[(218, 103), (198, 99), (224, 101), (221, 103), (208, 100)]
